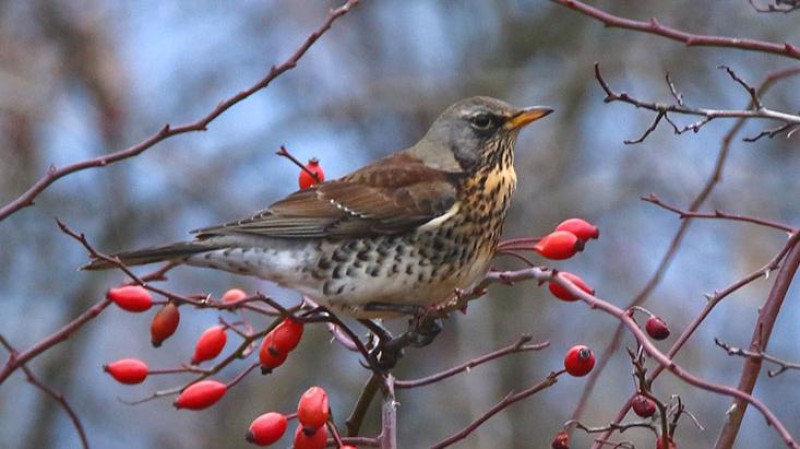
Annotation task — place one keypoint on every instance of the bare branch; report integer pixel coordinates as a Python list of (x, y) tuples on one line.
[(783, 365), (167, 131), (756, 109), (653, 26)]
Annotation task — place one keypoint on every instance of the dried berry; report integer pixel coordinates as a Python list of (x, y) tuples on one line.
[(643, 406), (165, 323), (656, 328)]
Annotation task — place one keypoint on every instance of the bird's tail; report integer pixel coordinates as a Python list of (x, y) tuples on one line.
[(175, 252)]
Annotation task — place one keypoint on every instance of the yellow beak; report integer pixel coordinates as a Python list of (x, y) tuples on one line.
[(526, 116)]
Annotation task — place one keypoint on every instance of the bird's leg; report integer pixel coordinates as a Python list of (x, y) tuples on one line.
[(384, 355), (423, 330)]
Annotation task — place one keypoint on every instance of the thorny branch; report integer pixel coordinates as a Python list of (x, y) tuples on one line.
[(783, 365), (57, 396), (711, 183), (653, 26), (167, 131), (790, 122)]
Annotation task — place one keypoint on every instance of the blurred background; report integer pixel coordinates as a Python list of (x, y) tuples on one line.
[(84, 78)]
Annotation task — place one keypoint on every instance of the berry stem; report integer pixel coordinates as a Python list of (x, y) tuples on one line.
[(285, 153)]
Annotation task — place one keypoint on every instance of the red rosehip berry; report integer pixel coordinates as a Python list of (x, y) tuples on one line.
[(312, 409), (670, 443), (133, 298), (165, 323), (210, 344), (558, 245), (286, 336), (579, 361), (127, 371), (267, 429), (561, 293), (561, 440), (233, 295), (580, 228), (306, 179), (308, 438), (347, 446), (200, 395), (269, 356), (643, 406), (656, 328)]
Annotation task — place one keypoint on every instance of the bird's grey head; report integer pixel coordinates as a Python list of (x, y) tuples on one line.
[(471, 130)]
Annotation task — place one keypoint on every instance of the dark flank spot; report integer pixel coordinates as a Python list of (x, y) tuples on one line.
[(324, 264), (358, 264), (340, 289), (227, 252), (374, 271), (400, 250), (242, 269), (339, 255), (395, 268), (383, 249), (350, 272), (409, 269), (337, 272), (352, 245), (207, 256), (326, 288), (363, 255), (420, 277), (438, 244)]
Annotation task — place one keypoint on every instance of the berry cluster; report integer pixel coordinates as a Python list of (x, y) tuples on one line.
[(203, 392), (313, 414)]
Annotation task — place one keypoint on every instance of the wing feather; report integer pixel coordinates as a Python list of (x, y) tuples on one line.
[(390, 196)]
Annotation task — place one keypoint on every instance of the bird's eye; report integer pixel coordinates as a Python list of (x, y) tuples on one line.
[(483, 122)]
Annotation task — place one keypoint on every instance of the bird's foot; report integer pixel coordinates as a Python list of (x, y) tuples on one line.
[(423, 330)]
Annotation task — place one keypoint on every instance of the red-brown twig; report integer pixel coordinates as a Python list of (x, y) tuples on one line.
[(507, 401), (521, 345), (669, 364), (783, 365), (713, 300), (17, 360), (717, 214), (689, 39), (53, 174), (57, 396), (789, 122), (282, 151), (762, 331), (672, 249)]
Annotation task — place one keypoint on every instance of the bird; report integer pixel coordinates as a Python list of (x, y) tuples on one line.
[(405, 231)]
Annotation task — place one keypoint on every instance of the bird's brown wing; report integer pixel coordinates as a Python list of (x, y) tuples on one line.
[(391, 196)]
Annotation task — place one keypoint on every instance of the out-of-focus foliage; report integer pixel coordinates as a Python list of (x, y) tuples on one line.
[(79, 79)]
